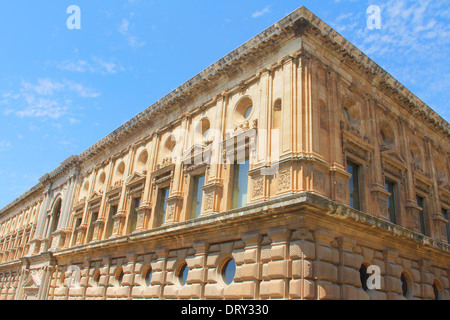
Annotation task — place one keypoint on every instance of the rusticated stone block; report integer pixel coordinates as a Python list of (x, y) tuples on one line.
[(195, 275), (350, 276), (353, 293), (302, 249), (213, 291), (353, 260), (278, 252), (272, 289), (325, 271), (250, 255), (277, 269), (191, 291), (247, 272), (327, 291), (301, 289), (245, 290), (327, 254), (302, 269)]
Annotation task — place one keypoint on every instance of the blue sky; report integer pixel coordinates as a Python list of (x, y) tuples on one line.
[(62, 90)]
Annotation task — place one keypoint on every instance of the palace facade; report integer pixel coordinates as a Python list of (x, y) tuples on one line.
[(292, 168)]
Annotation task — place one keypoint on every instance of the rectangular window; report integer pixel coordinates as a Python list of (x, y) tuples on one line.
[(110, 223), (94, 217), (162, 204), (420, 203), (240, 184), (196, 205), (392, 209), (353, 186), (447, 226), (133, 214)]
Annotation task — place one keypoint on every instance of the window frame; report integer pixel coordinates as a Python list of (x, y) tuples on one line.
[(394, 195), (350, 162)]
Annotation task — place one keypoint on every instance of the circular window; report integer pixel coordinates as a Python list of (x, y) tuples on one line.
[(248, 112), (243, 110), (364, 276), (228, 271), (436, 290), (119, 278), (96, 277), (182, 274), (148, 276), (405, 285)]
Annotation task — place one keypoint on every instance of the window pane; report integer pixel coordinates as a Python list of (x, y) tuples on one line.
[(240, 184), (445, 213), (390, 187), (229, 271), (163, 195), (91, 227), (420, 203), (196, 208), (112, 213), (353, 185), (133, 214)]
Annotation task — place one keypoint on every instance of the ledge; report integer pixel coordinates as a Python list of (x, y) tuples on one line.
[(288, 204)]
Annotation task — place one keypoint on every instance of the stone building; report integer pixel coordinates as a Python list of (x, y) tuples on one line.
[(292, 168)]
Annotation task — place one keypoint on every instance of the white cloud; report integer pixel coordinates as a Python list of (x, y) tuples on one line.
[(260, 13), (46, 98), (411, 45), (133, 41), (124, 26), (97, 65), (4, 144)]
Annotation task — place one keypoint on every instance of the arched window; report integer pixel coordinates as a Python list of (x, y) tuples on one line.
[(202, 130), (56, 213), (277, 121)]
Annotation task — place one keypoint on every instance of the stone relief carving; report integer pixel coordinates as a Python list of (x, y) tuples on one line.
[(284, 180), (258, 187)]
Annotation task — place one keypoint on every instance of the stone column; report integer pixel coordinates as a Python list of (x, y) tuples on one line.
[(392, 275), (302, 252), (326, 266), (160, 272), (121, 217), (348, 271), (276, 271)]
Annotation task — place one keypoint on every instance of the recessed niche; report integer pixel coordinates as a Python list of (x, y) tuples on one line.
[(387, 136), (352, 113)]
